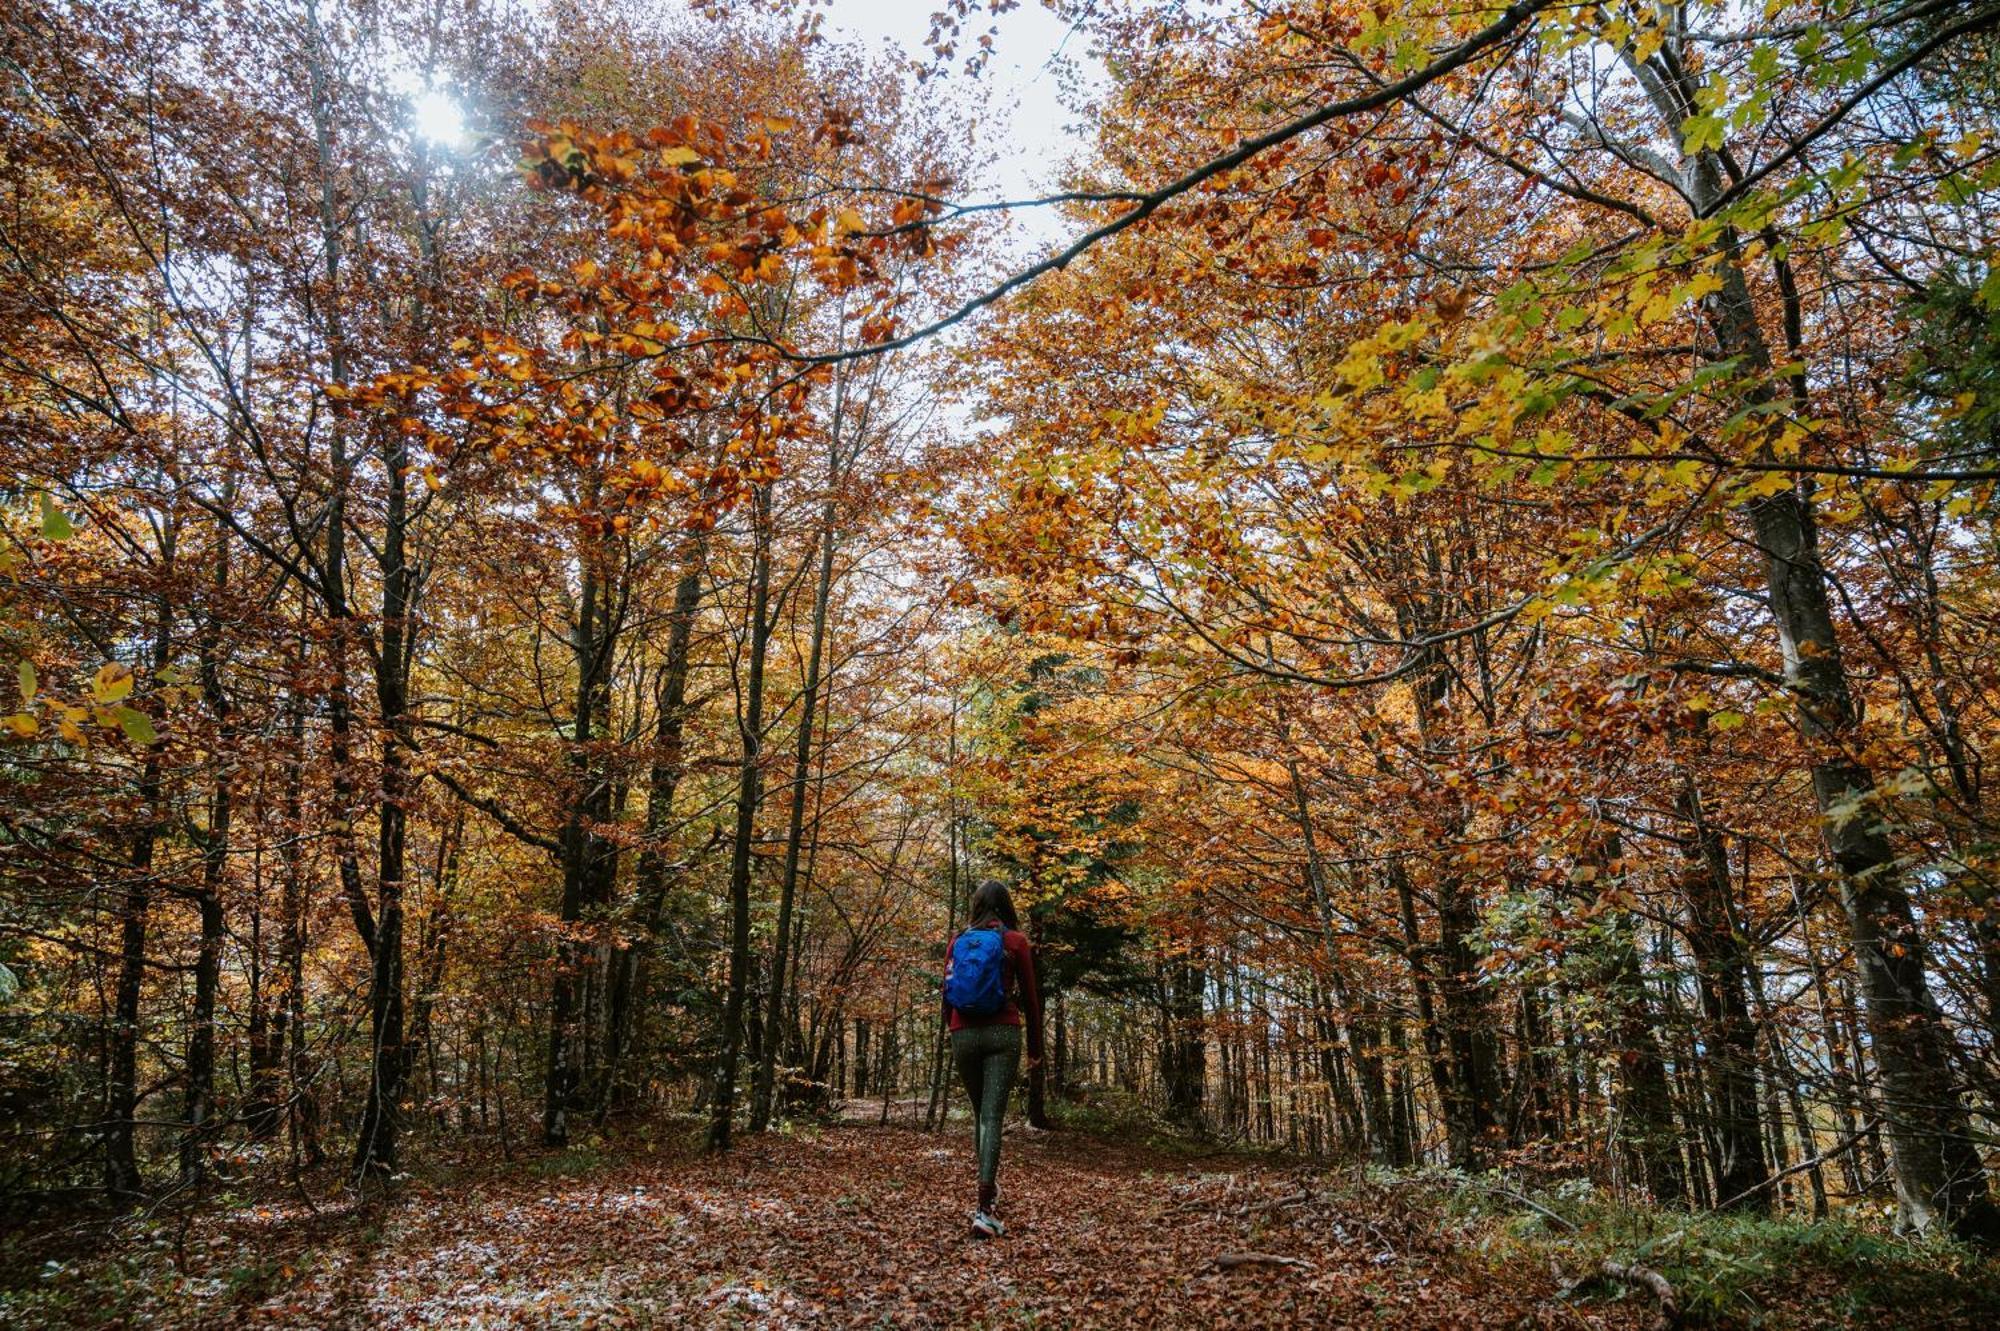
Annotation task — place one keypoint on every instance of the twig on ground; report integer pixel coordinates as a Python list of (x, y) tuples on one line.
[(1229, 1261), (1274, 1204), (1529, 1202), (1634, 1274)]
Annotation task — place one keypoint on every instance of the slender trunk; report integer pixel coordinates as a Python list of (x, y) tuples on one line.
[(650, 874), (761, 1096), (1184, 1052), (263, 1109), (122, 1178), (559, 1091), (294, 907), (1038, 1072), (121, 1169), (1729, 1034), (936, 1112), (434, 947), (198, 1107), (750, 726), (333, 562), (1846, 1083), (1471, 1117), (1940, 1179), (1443, 1081), (375, 1143), (1644, 1093), (1366, 1058)]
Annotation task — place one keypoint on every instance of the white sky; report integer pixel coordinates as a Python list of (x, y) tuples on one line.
[(1032, 133)]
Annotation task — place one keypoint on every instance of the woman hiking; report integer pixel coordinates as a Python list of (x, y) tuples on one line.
[(989, 994)]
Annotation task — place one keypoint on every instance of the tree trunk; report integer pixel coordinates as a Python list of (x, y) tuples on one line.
[(1474, 1094), (750, 727), (1729, 1033), (198, 1107), (1183, 1051), (121, 1165), (650, 874), (375, 1142), (761, 1096), (1644, 1093), (1940, 1179), (293, 906), (578, 846)]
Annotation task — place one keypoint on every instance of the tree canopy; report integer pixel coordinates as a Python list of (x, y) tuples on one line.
[(1463, 596)]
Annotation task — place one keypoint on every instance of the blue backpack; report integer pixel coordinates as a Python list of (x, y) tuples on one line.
[(975, 984)]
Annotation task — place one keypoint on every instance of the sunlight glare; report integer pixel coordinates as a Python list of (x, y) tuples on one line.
[(438, 118)]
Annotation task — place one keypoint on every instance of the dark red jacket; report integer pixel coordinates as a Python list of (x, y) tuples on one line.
[(1017, 980)]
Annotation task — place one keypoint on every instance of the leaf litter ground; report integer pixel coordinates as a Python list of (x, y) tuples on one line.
[(838, 1226)]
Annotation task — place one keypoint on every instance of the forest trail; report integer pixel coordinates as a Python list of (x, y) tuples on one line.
[(857, 1226)]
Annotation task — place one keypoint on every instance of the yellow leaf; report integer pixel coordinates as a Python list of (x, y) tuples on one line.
[(111, 683), (22, 723), (679, 156)]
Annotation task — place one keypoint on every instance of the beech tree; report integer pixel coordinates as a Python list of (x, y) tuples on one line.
[(1460, 598)]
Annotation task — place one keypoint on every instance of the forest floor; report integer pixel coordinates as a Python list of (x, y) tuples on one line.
[(857, 1224)]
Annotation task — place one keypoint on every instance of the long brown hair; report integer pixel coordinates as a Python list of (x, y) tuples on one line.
[(992, 901)]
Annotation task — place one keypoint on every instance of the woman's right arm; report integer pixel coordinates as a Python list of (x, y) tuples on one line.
[(1031, 1000)]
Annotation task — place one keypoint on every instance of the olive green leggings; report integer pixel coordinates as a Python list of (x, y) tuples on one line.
[(987, 1059)]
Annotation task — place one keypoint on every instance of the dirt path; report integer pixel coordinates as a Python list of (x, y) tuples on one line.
[(857, 1226)]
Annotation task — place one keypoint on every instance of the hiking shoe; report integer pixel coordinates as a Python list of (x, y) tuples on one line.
[(984, 1226)]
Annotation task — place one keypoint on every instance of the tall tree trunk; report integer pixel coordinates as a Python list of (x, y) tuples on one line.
[(1645, 1096), (1940, 1179), (749, 787), (375, 1142), (1729, 1033), (650, 874), (122, 1178), (572, 951), (1367, 1058), (1443, 1078), (332, 572), (1183, 1051), (293, 907), (761, 1097), (1471, 1108), (1038, 1069), (198, 1107), (936, 1112)]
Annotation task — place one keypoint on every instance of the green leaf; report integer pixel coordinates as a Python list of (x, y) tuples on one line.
[(29, 683), (1726, 720), (1989, 290), (1701, 133), (138, 727), (56, 525)]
